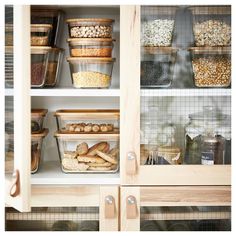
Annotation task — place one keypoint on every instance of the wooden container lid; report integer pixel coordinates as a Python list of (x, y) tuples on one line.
[(90, 20), (38, 112)]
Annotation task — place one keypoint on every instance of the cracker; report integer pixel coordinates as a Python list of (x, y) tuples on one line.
[(70, 154), (91, 159), (107, 157)]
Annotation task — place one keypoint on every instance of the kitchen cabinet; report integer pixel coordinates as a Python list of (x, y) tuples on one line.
[(153, 196)]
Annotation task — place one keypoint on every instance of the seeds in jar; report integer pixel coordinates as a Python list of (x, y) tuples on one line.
[(91, 79), (97, 31), (91, 52), (212, 71), (37, 73), (212, 33), (157, 32)]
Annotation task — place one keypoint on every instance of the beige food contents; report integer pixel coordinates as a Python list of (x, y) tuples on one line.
[(91, 79), (39, 41)]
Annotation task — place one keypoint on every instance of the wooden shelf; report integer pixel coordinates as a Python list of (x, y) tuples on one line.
[(50, 173)]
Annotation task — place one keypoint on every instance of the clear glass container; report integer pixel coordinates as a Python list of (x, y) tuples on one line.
[(211, 66), (9, 68), (45, 66), (157, 66), (157, 27), (211, 25), (93, 47), (88, 121), (8, 34), (36, 149), (88, 153), (40, 34), (91, 72), (53, 17), (90, 27), (37, 118), (202, 123)]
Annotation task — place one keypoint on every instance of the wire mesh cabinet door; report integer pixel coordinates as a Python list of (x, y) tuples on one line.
[(185, 208), (172, 132), (17, 130)]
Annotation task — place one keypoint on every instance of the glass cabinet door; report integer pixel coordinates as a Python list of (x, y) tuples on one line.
[(182, 96)]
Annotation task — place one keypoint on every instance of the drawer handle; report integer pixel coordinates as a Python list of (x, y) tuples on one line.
[(131, 163), (131, 207), (110, 208), (15, 188)]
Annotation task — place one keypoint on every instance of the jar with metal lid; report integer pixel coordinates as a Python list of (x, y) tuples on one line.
[(203, 122), (212, 150)]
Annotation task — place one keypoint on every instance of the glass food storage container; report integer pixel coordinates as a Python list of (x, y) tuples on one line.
[(53, 17), (37, 118), (9, 68), (201, 123), (211, 25), (211, 66), (40, 34), (88, 153), (45, 66), (157, 66), (36, 149), (91, 72), (90, 27), (94, 47), (157, 26), (88, 121), (8, 34)]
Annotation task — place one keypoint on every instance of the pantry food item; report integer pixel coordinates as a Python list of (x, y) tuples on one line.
[(95, 47), (91, 72), (36, 149), (211, 66), (157, 32), (95, 121), (212, 33), (169, 155), (54, 17), (40, 34), (90, 27), (8, 34), (37, 118), (100, 156)]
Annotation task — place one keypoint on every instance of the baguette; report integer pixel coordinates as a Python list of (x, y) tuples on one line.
[(102, 146)]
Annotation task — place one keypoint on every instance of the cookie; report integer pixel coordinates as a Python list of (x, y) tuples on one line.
[(103, 128), (82, 148), (70, 154), (107, 157), (110, 127), (99, 168), (105, 164), (73, 165), (88, 128), (91, 159), (95, 128), (102, 146)]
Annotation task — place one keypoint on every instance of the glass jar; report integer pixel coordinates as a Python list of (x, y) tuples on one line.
[(204, 122)]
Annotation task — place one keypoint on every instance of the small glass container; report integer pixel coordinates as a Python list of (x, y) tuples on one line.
[(212, 150), (36, 149), (45, 66), (88, 153), (211, 25), (157, 27), (37, 119), (91, 72), (40, 34), (211, 66), (88, 121), (201, 123), (169, 155), (94, 47), (157, 66), (53, 17), (90, 27)]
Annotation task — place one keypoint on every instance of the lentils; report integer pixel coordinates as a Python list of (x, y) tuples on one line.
[(91, 79), (212, 33), (212, 71), (157, 32), (97, 31)]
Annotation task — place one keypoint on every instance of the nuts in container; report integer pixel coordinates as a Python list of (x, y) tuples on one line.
[(211, 67), (91, 72), (80, 153), (90, 28), (88, 121), (94, 47)]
